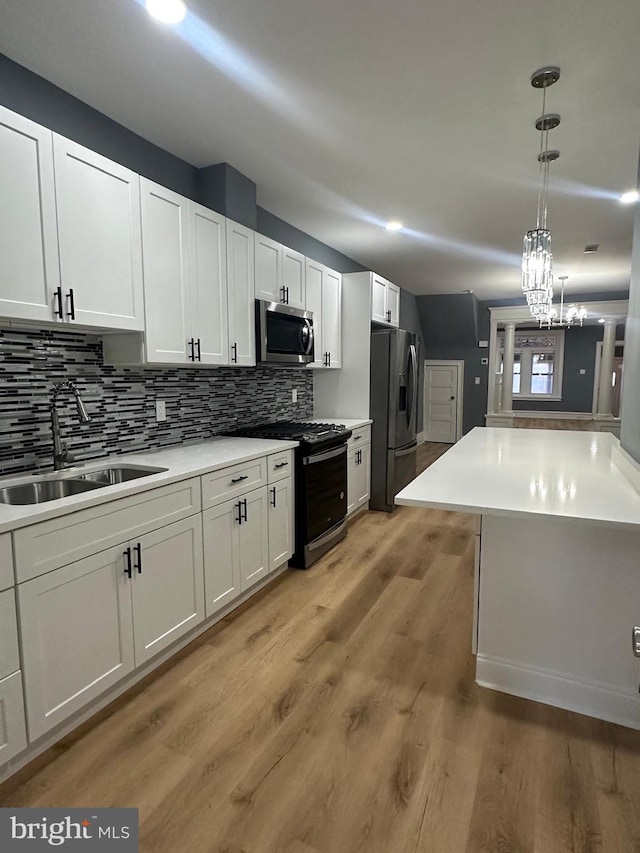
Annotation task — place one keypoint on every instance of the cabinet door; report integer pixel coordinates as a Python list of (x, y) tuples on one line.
[(254, 538), (13, 735), (393, 304), (293, 277), (208, 269), (378, 299), (352, 476), (314, 274), (268, 256), (29, 268), (363, 476), (76, 632), (332, 317), (221, 549), (165, 242), (167, 586), (280, 523), (98, 206), (241, 293)]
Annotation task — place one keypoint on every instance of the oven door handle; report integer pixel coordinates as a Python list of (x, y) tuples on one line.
[(329, 454)]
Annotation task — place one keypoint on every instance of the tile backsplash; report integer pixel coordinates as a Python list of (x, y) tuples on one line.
[(200, 402)]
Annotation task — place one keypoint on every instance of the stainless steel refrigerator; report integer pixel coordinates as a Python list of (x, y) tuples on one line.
[(394, 405)]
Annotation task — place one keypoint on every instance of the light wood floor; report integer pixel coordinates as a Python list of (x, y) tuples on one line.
[(338, 713)]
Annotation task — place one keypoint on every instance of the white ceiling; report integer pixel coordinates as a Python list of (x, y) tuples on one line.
[(347, 114)]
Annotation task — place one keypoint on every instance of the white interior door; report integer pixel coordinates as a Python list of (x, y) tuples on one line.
[(441, 402)]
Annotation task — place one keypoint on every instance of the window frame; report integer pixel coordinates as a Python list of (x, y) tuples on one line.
[(526, 362)]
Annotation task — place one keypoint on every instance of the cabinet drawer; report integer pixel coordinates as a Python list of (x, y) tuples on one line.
[(280, 466), (220, 486), (6, 561), (9, 658), (360, 436), (51, 544), (13, 734)]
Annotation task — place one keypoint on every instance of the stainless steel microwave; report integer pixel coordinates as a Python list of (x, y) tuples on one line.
[(284, 335)]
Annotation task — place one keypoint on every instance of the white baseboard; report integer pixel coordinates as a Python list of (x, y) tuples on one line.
[(592, 700), (420, 437)]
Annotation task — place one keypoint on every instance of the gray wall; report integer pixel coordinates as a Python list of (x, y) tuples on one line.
[(452, 326), (630, 428), (410, 320)]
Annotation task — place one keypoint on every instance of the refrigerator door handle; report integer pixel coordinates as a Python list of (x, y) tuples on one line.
[(413, 364)]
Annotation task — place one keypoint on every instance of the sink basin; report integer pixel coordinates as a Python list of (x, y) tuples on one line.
[(118, 474), (45, 490)]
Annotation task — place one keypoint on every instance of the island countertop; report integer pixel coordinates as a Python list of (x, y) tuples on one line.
[(520, 472)]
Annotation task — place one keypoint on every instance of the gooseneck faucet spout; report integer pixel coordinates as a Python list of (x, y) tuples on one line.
[(60, 452)]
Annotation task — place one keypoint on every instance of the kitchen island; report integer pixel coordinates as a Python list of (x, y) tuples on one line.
[(557, 568)]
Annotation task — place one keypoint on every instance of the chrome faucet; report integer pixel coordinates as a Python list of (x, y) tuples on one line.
[(60, 452)]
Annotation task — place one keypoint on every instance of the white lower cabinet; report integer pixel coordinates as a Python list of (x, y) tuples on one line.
[(13, 734), (167, 586), (358, 477), (236, 549), (280, 523), (77, 636)]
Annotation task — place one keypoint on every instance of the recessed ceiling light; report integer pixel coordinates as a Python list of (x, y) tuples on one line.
[(393, 226), (167, 11), (629, 198), (601, 320)]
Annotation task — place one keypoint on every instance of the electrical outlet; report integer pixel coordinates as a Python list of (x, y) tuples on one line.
[(294, 395), (484, 361), (161, 411), (477, 380), (582, 371)]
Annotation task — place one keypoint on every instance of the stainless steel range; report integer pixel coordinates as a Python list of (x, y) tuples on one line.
[(320, 484)]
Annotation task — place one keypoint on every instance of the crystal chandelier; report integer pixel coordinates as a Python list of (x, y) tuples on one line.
[(537, 260)]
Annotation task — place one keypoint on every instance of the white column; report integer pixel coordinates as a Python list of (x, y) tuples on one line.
[(507, 367), (606, 367)]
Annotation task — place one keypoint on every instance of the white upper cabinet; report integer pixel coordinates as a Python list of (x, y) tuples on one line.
[(332, 317), (241, 294), (165, 246), (294, 278), (324, 299), (385, 301), (98, 207), (280, 273), (378, 299), (208, 252), (268, 256), (29, 267)]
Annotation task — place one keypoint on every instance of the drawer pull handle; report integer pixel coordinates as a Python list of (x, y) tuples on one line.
[(281, 465), (240, 479), (357, 437), (127, 568)]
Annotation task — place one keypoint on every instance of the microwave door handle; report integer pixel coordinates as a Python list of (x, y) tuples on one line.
[(308, 328)]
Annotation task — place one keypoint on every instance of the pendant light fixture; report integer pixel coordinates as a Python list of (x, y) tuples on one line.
[(574, 313), (537, 260)]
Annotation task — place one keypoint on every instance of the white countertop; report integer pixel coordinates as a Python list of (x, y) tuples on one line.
[(349, 423), (181, 461), (521, 472)]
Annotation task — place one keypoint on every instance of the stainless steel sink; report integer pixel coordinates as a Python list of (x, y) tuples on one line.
[(63, 484), (44, 490), (118, 474)]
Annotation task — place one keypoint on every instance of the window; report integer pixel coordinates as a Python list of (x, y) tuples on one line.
[(537, 365)]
